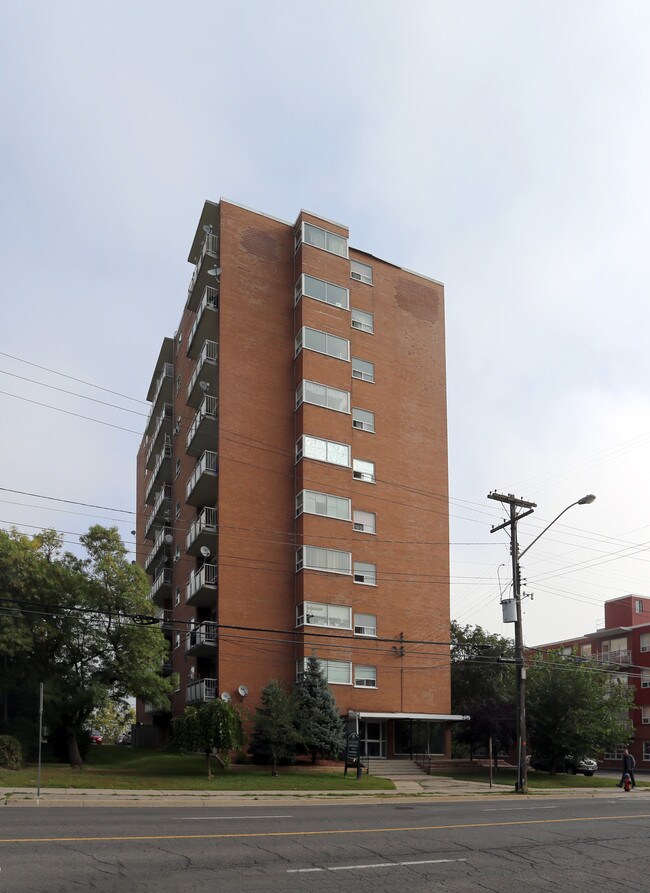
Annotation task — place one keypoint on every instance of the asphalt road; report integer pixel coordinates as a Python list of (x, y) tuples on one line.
[(502, 844)]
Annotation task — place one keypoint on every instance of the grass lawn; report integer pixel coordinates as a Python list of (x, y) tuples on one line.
[(125, 768), (539, 780)]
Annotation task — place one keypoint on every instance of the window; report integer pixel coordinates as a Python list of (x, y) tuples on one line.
[(337, 672), (177, 596), (312, 339), (645, 715), (321, 290), (363, 471), (585, 650), (177, 554), (178, 510), (321, 395), (615, 754), (645, 679), (178, 383), (314, 503), (363, 370), (365, 677), (363, 419), (645, 641), (365, 625), (364, 522), (638, 605), (646, 751), (365, 573), (323, 450), (318, 614), (318, 559), (361, 272), (363, 321), (322, 238), (178, 467), (177, 640), (620, 679)]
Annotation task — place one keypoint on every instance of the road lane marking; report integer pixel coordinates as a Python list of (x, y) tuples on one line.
[(372, 865), (518, 808), (326, 833), (222, 818)]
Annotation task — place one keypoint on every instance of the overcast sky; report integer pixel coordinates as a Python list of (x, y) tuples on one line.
[(501, 147)]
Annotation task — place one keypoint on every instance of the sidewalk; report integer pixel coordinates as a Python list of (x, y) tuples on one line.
[(429, 788)]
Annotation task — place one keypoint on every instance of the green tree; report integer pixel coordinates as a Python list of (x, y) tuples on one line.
[(320, 728), (214, 727), (275, 736), (116, 716), (73, 620), (576, 707), (482, 687)]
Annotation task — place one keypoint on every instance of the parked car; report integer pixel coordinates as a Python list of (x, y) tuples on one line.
[(96, 738), (569, 765), (124, 738)]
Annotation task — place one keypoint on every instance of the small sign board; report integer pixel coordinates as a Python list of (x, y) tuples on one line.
[(352, 754)]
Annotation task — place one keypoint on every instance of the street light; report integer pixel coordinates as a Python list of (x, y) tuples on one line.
[(514, 503)]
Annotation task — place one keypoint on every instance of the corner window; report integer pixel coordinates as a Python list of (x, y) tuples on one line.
[(322, 238), (638, 605), (363, 321), (321, 290), (313, 503), (322, 395), (363, 369), (308, 447), (365, 573), (645, 715), (645, 679), (365, 624), (177, 640), (365, 677), (318, 614), (364, 522), (363, 419), (315, 558), (337, 672), (363, 471), (177, 596), (361, 272), (322, 342), (646, 751)]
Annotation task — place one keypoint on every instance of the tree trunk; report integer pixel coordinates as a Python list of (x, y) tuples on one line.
[(207, 760), (274, 770), (73, 750)]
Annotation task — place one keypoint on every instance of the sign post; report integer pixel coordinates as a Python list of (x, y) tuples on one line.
[(352, 760)]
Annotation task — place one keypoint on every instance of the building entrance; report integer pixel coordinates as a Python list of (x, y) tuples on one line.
[(372, 738)]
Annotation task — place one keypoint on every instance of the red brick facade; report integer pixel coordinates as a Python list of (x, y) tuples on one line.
[(251, 314)]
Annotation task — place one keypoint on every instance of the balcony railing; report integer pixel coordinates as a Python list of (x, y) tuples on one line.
[(164, 419), (205, 523), (209, 247), (159, 543), (207, 413), (207, 465), (158, 510), (623, 656), (165, 455), (203, 579), (201, 690), (166, 377), (205, 634), (163, 580), (209, 304), (209, 355), (165, 617)]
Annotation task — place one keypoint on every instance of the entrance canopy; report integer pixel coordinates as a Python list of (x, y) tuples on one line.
[(433, 717)]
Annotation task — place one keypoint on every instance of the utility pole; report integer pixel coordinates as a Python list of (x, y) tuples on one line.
[(514, 503)]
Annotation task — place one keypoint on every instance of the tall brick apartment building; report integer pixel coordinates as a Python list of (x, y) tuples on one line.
[(292, 480), (622, 647)]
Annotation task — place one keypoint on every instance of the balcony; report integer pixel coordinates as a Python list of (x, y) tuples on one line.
[(202, 485), (165, 619), (163, 392), (202, 640), (201, 690), (160, 511), (204, 377), (203, 532), (200, 278), (162, 586), (156, 709), (201, 589), (161, 428), (158, 546), (166, 668), (619, 658), (162, 471), (203, 430), (204, 326)]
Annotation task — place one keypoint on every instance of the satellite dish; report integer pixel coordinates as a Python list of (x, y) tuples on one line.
[(168, 539), (204, 385), (205, 551), (243, 691), (225, 696)]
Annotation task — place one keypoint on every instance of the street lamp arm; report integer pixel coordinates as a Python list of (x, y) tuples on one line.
[(586, 500)]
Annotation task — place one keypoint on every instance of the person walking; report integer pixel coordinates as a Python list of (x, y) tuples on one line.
[(628, 767)]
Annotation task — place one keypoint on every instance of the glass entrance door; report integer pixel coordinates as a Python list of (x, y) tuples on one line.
[(372, 738)]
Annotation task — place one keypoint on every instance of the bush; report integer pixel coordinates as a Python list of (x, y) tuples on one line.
[(11, 755)]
